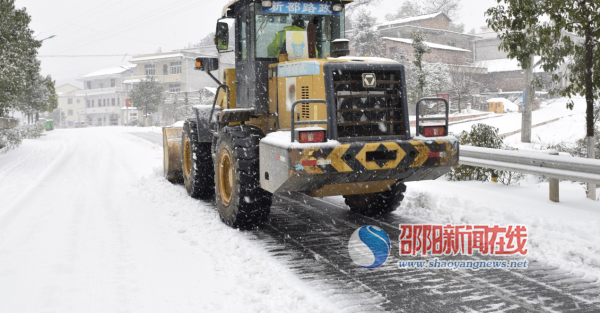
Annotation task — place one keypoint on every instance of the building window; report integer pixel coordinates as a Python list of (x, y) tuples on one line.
[(70, 112), (78, 101), (113, 102), (119, 101), (113, 83), (165, 69), (92, 103), (89, 85), (88, 103), (176, 67), (103, 102), (132, 114), (150, 70), (70, 101), (174, 87)]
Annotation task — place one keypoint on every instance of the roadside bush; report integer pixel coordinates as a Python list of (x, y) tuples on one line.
[(12, 138), (483, 136)]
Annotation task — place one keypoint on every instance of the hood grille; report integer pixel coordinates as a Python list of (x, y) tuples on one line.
[(368, 113)]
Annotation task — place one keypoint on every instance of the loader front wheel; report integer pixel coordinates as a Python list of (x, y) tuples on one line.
[(198, 171), (377, 204), (242, 203)]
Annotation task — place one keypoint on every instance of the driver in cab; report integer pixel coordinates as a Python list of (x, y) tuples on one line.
[(274, 48)]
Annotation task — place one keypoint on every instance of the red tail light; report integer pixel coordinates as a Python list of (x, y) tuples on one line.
[(311, 136), (309, 163), (434, 131)]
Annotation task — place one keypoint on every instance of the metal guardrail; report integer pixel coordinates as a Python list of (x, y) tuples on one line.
[(553, 166)]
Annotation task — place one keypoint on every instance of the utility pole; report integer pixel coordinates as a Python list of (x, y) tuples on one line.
[(526, 120)]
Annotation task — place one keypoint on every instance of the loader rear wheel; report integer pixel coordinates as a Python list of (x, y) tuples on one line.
[(198, 170), (377, 204), (242, 203)]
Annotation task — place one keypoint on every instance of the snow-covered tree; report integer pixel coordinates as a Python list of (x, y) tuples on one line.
[(357, 5), (457, 27), (407, 9), (436, 79), (367, 40), (413, 8), (57, 115), (420, 49), (523, 34), (464, 82), (38, 96), (147, 94), (206, 41), (448, 7), (18, 50)]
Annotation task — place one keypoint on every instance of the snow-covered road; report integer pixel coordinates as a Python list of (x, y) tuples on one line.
[(88, 225)]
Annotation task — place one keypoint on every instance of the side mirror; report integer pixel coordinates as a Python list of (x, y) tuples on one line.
[(222, 36)]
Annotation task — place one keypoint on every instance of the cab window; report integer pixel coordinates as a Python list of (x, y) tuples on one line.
[(271, 26)]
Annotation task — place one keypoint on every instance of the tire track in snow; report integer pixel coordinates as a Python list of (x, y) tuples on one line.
[(313, 229)]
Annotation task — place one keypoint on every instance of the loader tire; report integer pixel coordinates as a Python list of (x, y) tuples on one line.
[(377, 204), (197, 164), (241, 202)]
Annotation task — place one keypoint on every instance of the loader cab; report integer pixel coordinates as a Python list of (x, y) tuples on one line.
[(258, 27)]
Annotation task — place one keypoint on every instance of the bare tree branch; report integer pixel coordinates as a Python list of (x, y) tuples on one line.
[(449, 7)]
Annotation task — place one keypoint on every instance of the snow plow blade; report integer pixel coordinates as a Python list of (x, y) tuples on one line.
[(172, 154)]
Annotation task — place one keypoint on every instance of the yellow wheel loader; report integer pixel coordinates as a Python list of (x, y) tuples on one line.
[(298, 114)]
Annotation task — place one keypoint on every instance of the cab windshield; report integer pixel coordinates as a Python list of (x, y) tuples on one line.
[(272, 23)]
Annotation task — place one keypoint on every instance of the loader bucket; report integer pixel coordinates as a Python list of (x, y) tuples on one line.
[(172, 154)]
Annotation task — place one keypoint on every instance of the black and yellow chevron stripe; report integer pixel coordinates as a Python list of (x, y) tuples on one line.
[(352, 157)]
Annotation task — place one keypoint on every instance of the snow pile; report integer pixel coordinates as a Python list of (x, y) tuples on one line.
[(565, 233), (509, 106)]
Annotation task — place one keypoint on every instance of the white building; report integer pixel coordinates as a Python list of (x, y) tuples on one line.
[(129, 115), (71, 104), (105, 95)]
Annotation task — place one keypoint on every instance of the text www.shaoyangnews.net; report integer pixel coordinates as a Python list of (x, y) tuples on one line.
[(460, 264)]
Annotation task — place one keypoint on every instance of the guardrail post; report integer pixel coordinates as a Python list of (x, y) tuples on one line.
[(554, 192)]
